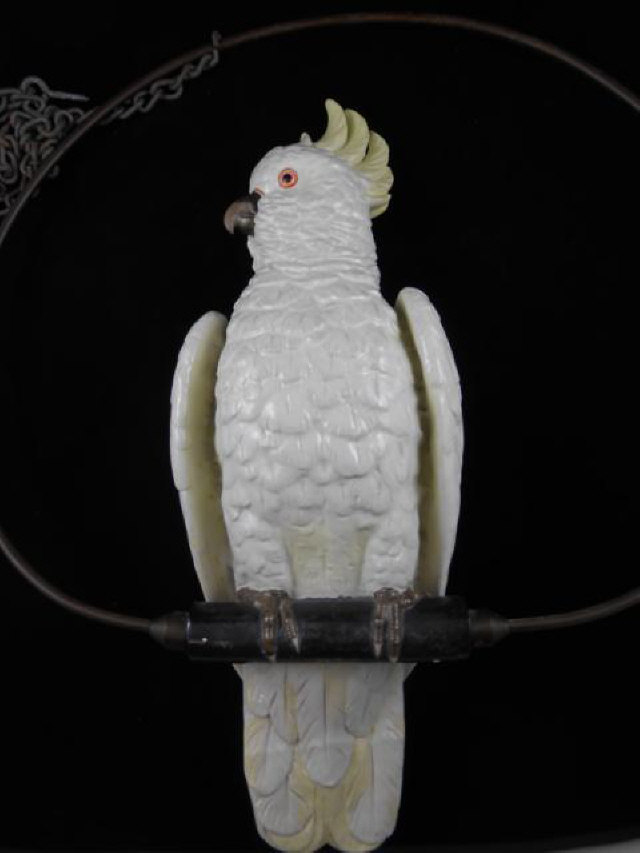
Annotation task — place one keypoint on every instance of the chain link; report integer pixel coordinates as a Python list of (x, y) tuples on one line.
[(168, 89), (34, 118)]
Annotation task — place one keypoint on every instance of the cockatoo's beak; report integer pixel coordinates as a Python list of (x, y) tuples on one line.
[(240, 214)]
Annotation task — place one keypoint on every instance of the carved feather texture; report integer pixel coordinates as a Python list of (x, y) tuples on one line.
[(338, 781), (374, 816), (440, 405), (367, 690), (348, 137), (317, 421), (286, 811), (268, 758), (194, 463), (265, 696), (324, 742)]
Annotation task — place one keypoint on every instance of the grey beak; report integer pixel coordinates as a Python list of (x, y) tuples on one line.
[(240, 214)]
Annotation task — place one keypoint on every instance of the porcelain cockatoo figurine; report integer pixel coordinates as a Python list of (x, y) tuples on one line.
[(316, 441)]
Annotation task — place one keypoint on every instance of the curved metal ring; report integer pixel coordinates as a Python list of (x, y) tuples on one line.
[(257, 34)]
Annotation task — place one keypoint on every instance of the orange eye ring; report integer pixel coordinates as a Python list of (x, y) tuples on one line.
[(288, 178)]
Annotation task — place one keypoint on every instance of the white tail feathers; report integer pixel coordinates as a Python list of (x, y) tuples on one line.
[(324, 749), (323, 740)]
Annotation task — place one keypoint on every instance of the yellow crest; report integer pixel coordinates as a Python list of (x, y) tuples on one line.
[(348, 136)]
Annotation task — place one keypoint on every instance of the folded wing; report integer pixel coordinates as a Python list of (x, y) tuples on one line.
[(440, 408), (196, 471)]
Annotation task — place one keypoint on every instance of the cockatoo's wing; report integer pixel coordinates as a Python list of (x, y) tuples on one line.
[(196, 471), (440, 410)]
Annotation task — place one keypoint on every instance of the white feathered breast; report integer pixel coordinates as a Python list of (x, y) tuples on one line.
[(316, 422)]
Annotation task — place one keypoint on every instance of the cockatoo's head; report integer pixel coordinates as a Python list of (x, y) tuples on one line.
[(314, 201)]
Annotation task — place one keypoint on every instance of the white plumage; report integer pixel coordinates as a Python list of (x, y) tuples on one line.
[(337, 432)]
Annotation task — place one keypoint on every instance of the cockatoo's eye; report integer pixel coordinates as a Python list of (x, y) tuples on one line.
[(288, 178)]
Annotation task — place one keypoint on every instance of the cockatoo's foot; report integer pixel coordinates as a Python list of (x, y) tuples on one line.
[(276, 609), (388, 612)]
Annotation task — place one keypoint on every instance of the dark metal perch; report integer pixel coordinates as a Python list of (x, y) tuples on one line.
[(435, 629)]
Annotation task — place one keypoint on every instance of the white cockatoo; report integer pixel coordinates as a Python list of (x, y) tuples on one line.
[(316, 442)]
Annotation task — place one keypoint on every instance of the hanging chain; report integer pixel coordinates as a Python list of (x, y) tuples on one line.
[(168, 89), (34, 118), (31, 125)]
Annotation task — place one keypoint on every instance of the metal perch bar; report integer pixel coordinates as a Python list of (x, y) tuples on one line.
[(331, 629), (435, 629)]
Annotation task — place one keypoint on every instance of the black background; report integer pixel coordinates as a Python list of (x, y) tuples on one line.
[(514, 208)]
